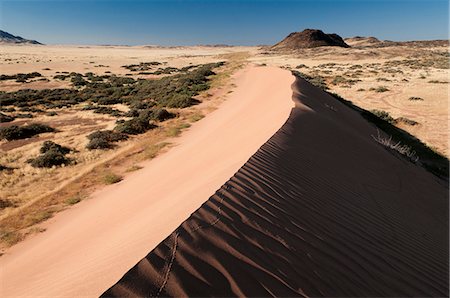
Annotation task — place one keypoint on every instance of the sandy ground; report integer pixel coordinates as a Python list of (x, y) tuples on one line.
[(50, 60), (321, 210), (89, 247)]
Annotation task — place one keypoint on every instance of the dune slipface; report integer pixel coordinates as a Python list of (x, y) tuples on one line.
[(321, 209)]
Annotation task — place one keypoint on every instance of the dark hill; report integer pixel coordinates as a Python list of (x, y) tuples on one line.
[(309, 38), (6, 37)]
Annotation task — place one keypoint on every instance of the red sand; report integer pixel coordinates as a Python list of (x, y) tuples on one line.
[(320, 210), (88, 248)]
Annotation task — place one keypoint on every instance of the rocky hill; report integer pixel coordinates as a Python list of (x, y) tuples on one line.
[(8, 38), (309, 38)]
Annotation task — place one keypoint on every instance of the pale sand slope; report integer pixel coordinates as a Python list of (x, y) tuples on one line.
[(90, 247), (320, 210)]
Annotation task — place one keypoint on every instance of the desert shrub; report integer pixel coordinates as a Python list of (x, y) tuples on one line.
[(24, 115), (99, 144), (77, 80), (5, 118), (383, 115), (316, 80), (141, 105), (155, 115), (52, 154), (15, 132), (120, 81), (176, 130), (103, 139), (381, 89), (109, 135), (134, 126), (61, 77), (338, 80), (406, 121), (20, 77), (112, 178), (141, 66), (109, 101), (3, 168), (437, 82), (49, 159), (415, 98), (6, 203), (73, 200), (49, 145), (161, 115), (31, 109), (108, 111)]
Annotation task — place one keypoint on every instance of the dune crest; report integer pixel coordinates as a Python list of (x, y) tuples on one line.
[(320, 210), (88, 248)]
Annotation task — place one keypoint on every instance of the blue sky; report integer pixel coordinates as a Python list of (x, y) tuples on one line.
[(190, 22)]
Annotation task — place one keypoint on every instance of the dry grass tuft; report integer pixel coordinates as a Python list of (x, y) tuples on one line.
[(404, 150), (112, 178)]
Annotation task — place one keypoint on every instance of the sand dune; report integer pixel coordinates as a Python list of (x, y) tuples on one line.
[(88, 248), (320, 210)]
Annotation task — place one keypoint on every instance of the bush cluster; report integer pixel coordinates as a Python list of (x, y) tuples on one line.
[(15, 132), (5, 118), (174, 91), (20, 77), (141, 66)]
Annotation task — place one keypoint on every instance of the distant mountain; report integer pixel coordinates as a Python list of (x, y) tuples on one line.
[(309, 38), (6, 37), (373, 42)]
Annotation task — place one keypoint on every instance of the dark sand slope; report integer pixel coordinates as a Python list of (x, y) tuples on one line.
[(320, 210)]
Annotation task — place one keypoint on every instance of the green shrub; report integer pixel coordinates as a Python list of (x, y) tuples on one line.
[(156, 115), (15, 132), (109, 101), (103, 139), (99, 144), (49, 145), (107, 111), (134, 126)]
